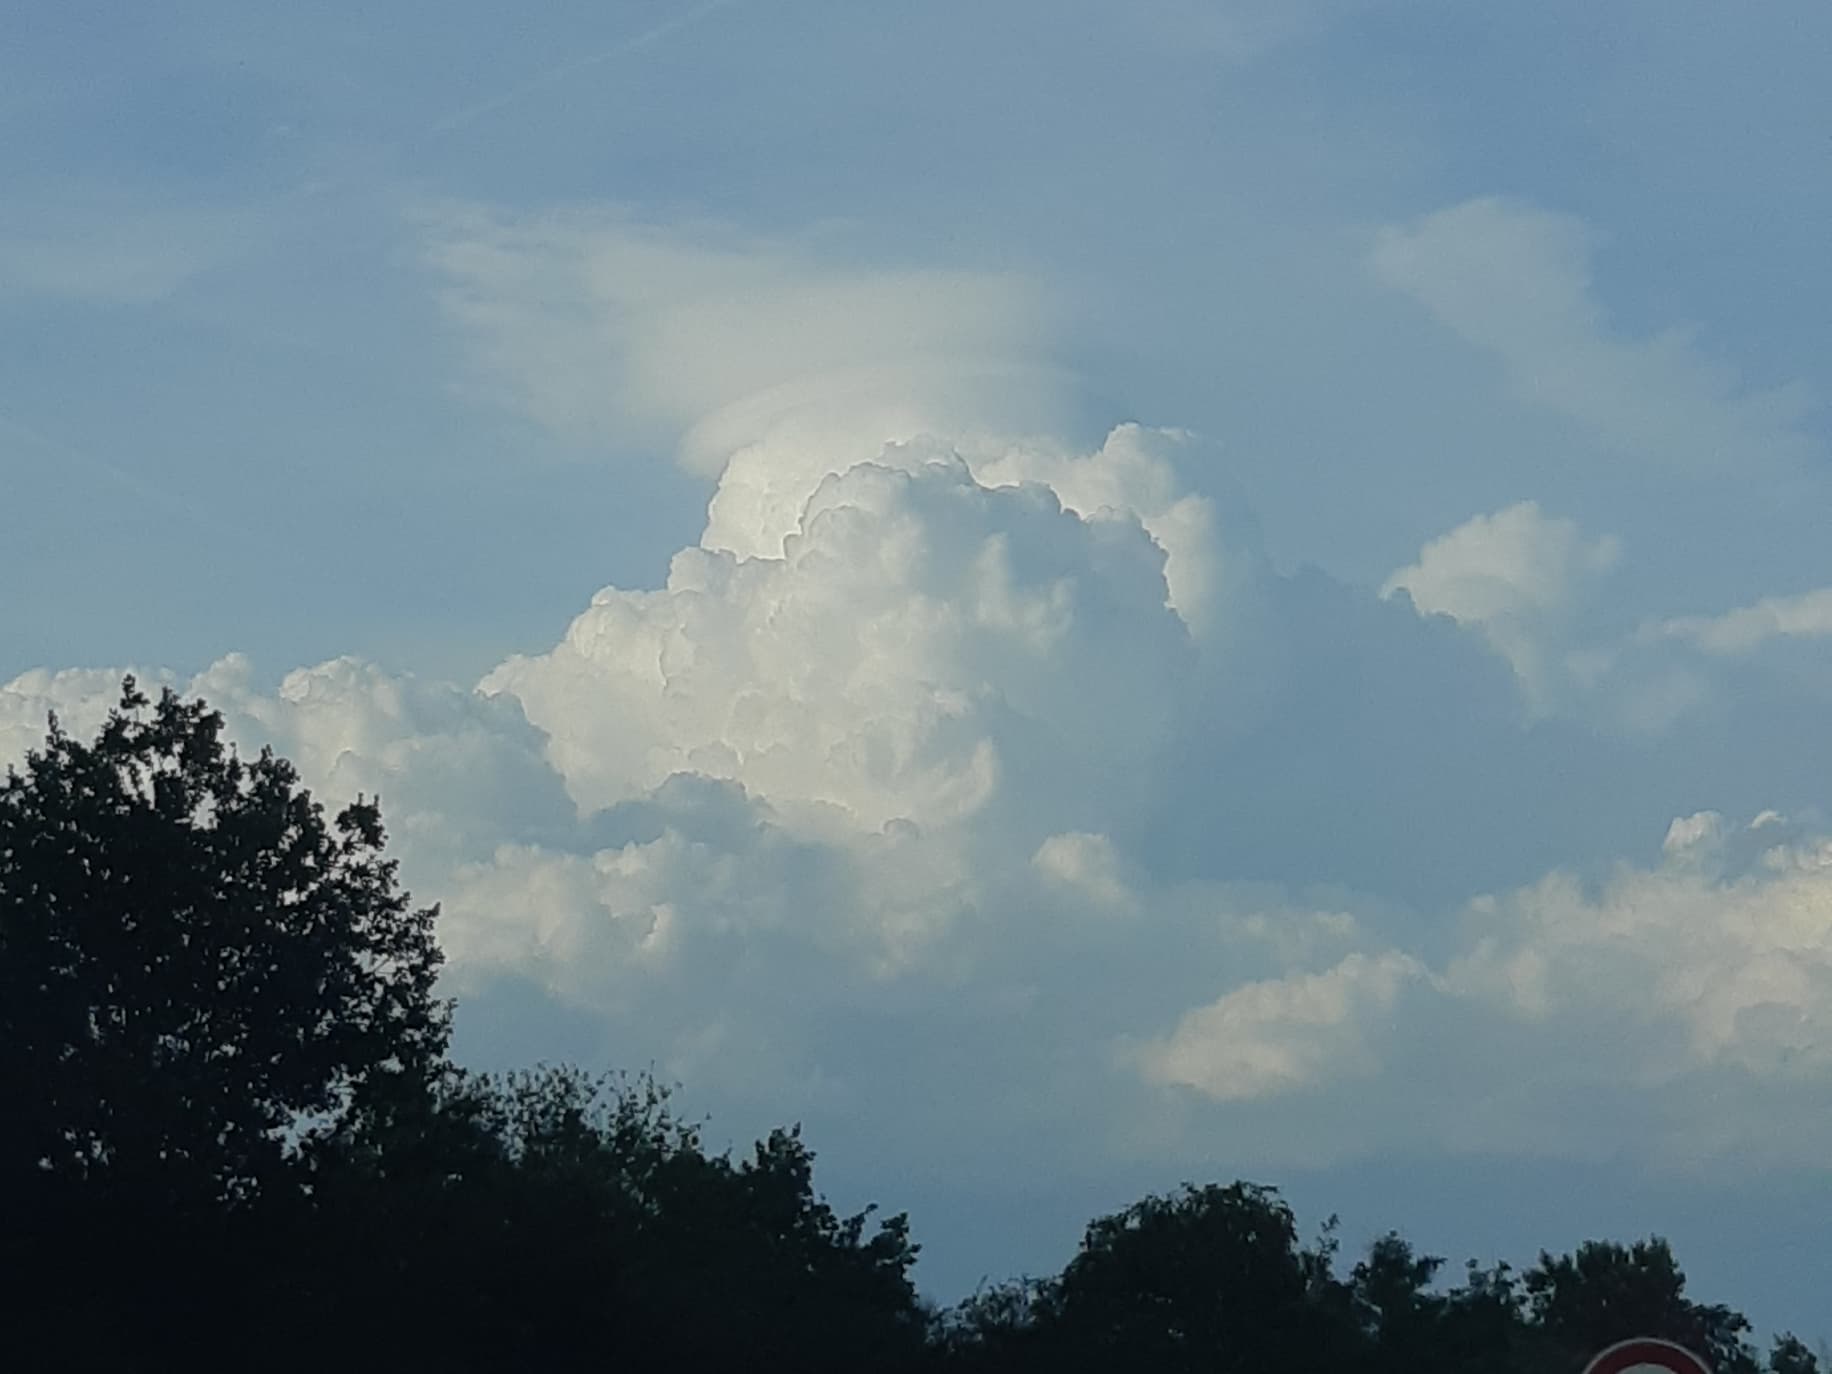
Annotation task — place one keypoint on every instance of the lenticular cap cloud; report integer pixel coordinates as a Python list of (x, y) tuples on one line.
[(591, 323)]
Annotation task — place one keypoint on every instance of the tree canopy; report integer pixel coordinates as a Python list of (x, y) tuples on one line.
[(194, 963)]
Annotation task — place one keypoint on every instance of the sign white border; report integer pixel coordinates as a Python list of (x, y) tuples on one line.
[(1646, 1350)]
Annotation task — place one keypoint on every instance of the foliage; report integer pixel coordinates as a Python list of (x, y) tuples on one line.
[(568, 1219), (1210, 1278), (1604, 1292), (192, 961)]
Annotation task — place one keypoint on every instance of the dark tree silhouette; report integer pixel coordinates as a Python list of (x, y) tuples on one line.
[(198, 976), (1402, 1318), (1790, 1355), (1210, 1279), (1483, 1328), (1000, 1327), (1605, 1292), (193, 963), (575, 1222), (1214, 1279)]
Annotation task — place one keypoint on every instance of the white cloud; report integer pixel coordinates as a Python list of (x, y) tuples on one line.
[(921, 638), (1088, 864), (1517, 576), (1284, 1034), (1516, 281), (1721, 956), (1211, 555), (79, 697), (1666, 993), (1806, 616), (1528, 584), (457, 772), (1516, 562)]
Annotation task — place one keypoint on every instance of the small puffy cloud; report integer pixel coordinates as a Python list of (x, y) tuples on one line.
[(1285, 1034), (1516, 562), (1515, 280), (1089, 865), (1517, 576), (1807, 616)]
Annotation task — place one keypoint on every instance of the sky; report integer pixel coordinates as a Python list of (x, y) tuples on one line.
[(1074, 595)]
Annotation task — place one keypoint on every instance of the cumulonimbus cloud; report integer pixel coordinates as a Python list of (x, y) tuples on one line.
[(958, 774), (788, 815)]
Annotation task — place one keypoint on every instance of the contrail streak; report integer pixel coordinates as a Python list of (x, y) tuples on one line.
[(554, 75), (380, 155)]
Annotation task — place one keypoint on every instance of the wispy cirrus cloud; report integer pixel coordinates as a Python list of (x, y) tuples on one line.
[(99, 248)]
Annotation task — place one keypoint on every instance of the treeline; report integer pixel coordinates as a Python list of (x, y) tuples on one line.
[(230, 1137)]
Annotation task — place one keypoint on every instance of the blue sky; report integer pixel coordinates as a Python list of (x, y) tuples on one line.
[(1191, 588)]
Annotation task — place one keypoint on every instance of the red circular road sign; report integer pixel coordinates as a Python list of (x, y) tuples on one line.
[(1647, 1353)]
